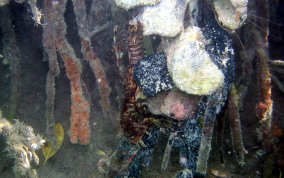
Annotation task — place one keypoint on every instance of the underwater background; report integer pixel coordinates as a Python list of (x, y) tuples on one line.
[(91, 88)]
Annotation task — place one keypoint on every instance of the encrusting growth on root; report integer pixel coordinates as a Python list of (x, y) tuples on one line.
[(256, 48), (91, 57), (55, 42), (12, 56), (235, 125), (264, 107), (80, 109), (49, 47)]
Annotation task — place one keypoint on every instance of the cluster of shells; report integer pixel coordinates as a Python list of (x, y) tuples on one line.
[(189, 64)]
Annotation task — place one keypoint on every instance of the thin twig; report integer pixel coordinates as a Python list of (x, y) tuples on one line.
[(277, 62), (99, 29), (277, 69), (167, 153), (235, 126), (278, 83)]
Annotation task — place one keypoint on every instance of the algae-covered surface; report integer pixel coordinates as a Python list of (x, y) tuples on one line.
[(27, 53)]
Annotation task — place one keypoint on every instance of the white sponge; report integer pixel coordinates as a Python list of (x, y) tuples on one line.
[(190, 66), (128, 4)]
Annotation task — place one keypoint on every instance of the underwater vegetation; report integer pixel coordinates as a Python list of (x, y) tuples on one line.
[(141, 88)]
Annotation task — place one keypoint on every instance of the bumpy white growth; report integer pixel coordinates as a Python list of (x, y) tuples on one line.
[(165, 18), (128, 4), (231, 13), (20, 145), (190, 65), (239, 3)]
